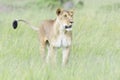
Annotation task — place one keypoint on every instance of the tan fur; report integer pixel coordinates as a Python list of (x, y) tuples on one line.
[(53, 34)]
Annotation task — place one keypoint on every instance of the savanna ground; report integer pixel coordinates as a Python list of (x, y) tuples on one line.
[(96, 42)]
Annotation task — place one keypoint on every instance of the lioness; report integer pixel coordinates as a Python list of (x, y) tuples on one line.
[(54, 34)]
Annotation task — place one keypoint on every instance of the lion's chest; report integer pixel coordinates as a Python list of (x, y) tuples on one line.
[(62, 41)]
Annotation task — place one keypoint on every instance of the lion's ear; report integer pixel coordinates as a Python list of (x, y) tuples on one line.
[(58, 11), (72, 11)]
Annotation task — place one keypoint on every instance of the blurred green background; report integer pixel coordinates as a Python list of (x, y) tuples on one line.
[(95, 51)]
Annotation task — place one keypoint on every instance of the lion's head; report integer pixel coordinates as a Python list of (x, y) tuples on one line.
[(65, 18)]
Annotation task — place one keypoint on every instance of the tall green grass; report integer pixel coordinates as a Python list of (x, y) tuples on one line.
[(95, 51)]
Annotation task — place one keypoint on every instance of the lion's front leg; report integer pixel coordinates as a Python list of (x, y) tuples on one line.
[(66, 53), (51, 57)]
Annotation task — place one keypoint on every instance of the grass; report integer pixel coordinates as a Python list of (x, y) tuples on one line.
[(95, 51)]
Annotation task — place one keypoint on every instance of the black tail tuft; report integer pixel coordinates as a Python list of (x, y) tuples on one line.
[(15, 24)]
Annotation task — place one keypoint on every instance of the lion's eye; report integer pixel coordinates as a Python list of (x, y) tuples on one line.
[(65, 15)]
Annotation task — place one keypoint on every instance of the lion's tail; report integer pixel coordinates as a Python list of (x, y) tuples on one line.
[(15, 24)]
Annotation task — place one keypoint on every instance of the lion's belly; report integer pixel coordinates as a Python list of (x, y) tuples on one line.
[(62, 41)]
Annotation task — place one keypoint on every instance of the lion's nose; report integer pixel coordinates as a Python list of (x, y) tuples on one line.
[(71, 22)]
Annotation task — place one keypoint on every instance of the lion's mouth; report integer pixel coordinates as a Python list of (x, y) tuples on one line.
[(67, 27)]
